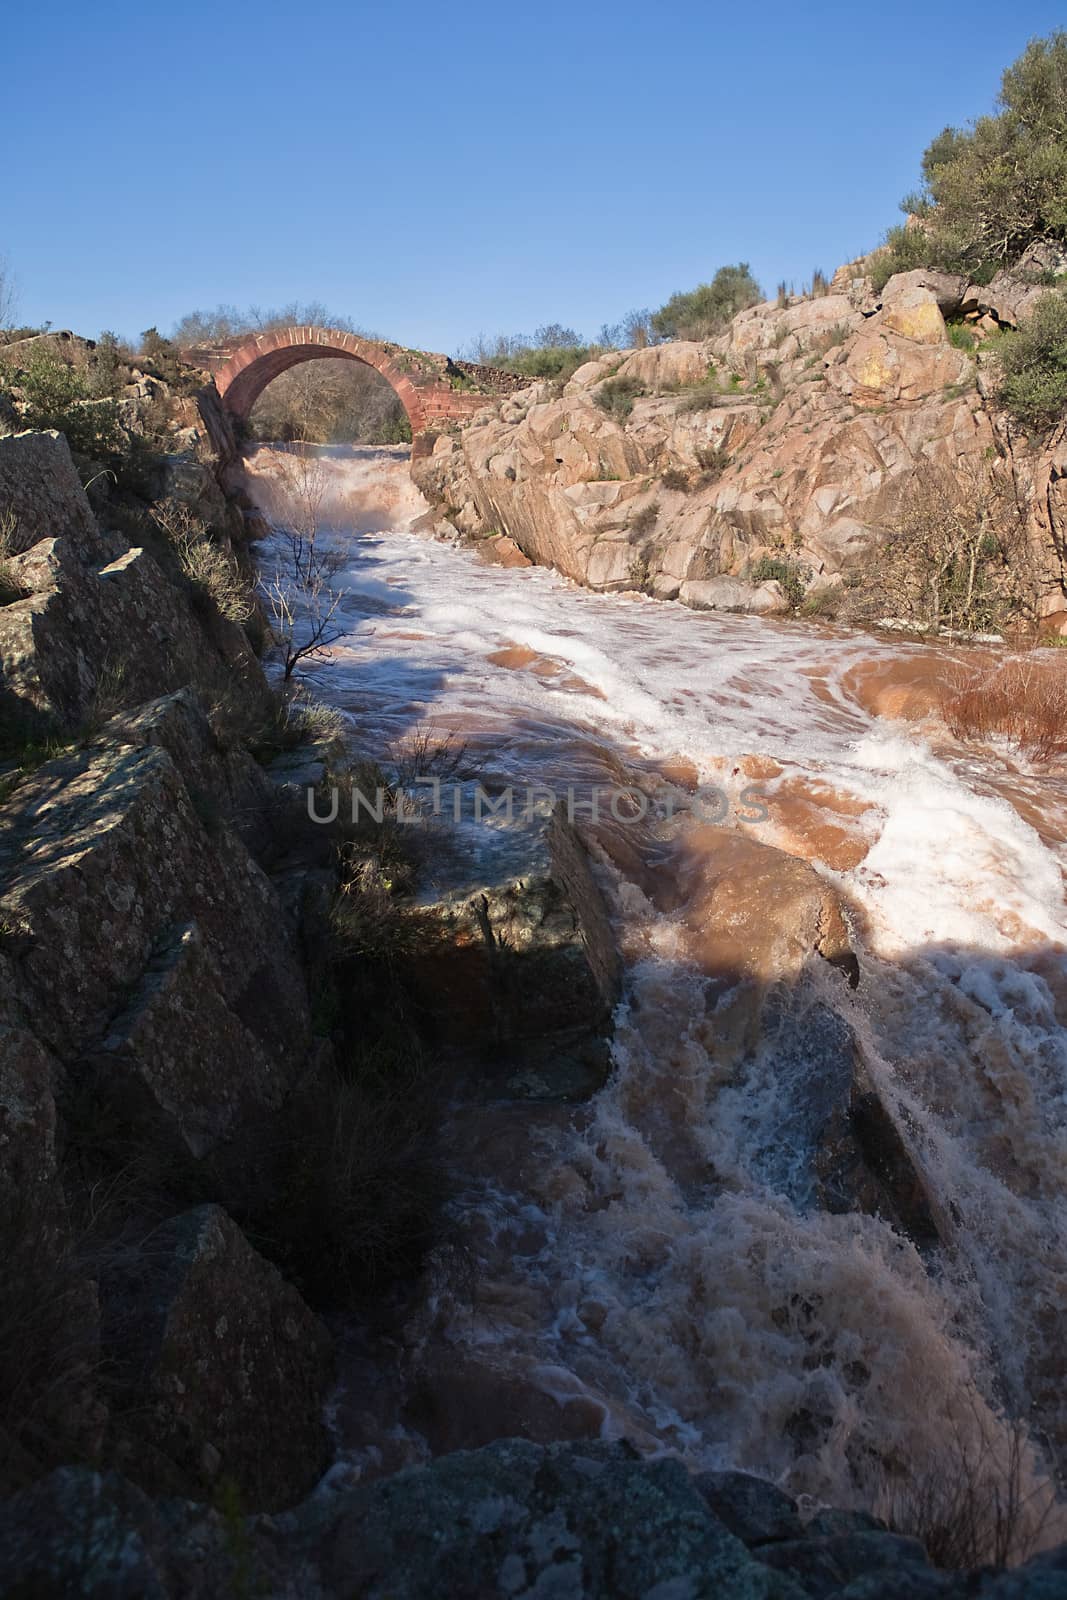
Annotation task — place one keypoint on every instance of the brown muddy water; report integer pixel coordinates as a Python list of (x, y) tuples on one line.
[(656, 1264)]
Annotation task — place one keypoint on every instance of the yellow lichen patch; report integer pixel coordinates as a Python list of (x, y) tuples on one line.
[(922, 322)]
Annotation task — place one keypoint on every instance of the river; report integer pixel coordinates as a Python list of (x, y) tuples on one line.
[(656, 1263)]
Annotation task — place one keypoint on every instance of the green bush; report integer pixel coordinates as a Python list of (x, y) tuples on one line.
[(792, 577), (992, 189), (702, 311), (58, 396), (1033, 366), (616, 396), (554, 352), (553, 361), (905, 248)]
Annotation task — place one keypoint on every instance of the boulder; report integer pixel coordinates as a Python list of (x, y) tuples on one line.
[(760, 911), (526, 970), (509, 1522), (824, 1566), (217, 770), (103, 855), (667, 366), (733, 594), (220, 1369), (41, 493), (157, 1067), (835, 1143), (86, 635), (756, 1511), (915, 314), (946, 288), (884, 367), (517, 1519), (1009, 297), (502, 552), (27, 1114)]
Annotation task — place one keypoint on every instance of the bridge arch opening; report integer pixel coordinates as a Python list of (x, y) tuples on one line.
[(330, 401)]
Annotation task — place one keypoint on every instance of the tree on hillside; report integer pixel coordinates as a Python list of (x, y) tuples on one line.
[(632, 332), (992, 189), (703, 311), (554, 351), (1033, 366)]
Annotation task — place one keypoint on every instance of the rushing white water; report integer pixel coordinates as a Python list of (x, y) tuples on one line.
[(654, 1264)]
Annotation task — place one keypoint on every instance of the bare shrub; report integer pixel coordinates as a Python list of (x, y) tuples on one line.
[(957, 555), (8, 295), (360, 1197), (713, 460), (369, 919), (674, 478), (427, 754), (981, 1500), (1022, 701), (303, 602)]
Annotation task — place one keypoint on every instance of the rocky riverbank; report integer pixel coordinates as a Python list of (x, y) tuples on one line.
[(768, 469)]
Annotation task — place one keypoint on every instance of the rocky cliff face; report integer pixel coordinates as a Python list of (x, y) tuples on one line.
[(165, 922), (690, 469), (153, 1002)]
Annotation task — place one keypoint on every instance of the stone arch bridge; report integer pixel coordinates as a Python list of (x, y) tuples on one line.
[(433, 389)]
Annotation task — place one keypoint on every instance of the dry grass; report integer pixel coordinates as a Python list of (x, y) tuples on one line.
[(980, 1501), (209, 567), (1022, 701), (11, 586)]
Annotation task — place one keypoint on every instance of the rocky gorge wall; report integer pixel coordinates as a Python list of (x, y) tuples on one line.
[(175, 1019), (162, 1051), (689, 469)]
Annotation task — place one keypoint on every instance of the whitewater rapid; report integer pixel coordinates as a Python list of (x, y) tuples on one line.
[(728, 1320)]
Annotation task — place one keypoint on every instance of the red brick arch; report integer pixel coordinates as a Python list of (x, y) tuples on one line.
[(244, 371)]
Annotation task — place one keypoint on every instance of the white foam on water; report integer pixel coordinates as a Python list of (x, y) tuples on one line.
[(726, 1320)]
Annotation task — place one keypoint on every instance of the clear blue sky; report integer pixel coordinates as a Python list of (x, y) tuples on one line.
[(436, 171)]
